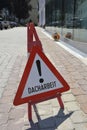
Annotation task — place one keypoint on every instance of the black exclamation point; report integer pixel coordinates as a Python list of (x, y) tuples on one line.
[(39, 70)]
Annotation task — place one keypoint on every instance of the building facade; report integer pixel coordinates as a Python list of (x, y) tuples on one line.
[(66, 16)]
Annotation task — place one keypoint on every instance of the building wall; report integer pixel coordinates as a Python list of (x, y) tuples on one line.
[(67, 16)]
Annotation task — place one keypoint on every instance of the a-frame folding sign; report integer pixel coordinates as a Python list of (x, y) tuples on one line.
[(32, 38), (40, 80)]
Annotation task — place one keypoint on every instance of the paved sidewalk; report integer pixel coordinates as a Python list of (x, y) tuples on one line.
[(12, 44), (46, 115)]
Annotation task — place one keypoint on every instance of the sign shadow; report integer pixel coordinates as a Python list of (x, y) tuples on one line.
[(51, 122)]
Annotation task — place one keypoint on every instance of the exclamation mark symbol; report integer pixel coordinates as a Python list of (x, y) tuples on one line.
[(38, 64)]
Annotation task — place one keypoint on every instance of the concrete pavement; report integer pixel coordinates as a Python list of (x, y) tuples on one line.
[(46, 115), (11, 46)]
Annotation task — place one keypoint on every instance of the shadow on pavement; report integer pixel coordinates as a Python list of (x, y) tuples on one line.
[(51, 122)]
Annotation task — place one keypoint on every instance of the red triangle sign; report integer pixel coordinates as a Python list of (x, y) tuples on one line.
[(40, 79)]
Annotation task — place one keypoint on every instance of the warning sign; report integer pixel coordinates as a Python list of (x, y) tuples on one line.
[(40, 78)]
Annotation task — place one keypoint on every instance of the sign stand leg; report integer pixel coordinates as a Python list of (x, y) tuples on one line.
[(60, 101), (29, 111)]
